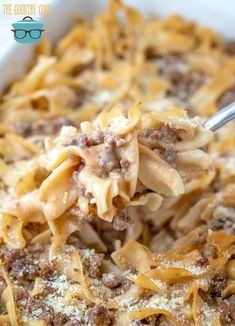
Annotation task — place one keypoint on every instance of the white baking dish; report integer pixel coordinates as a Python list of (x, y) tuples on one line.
[(14, 58)]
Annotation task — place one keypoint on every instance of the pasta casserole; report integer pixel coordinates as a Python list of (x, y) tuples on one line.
[(117, 205)]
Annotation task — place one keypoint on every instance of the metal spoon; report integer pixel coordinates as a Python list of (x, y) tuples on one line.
[(220, 118)]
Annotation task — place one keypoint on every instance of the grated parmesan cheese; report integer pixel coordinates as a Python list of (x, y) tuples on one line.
[(118, 122), (196, 270)]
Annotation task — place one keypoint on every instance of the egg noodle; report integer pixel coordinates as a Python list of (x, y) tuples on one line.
[(117, 205)]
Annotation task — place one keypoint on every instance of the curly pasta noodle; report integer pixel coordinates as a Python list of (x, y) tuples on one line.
[(117, 206)]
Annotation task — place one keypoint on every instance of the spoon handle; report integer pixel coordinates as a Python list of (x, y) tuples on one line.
[(220, 118)]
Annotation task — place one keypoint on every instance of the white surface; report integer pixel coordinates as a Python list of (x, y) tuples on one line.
[(218, 14)]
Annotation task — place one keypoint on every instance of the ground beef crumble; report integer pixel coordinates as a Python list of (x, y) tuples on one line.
[(97, 137), (223, 220), (46, 313), (162, 138), (22, 264), (93, 264), (121, 220), (218, 284), (114, 140), (98, 316), (202, 262), (108, 159), (175, 69), (122, 288), (185, 84), (227, 310), (226, 98), (169, 64), (124, 163), (110, 280), (43, 127)]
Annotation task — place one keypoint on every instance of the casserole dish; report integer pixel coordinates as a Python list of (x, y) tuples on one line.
[(117, 204), (215, 14)]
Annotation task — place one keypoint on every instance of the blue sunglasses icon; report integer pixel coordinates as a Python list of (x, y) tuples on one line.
[(27, 30)]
